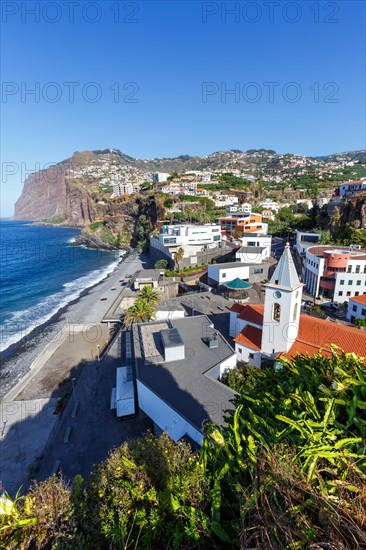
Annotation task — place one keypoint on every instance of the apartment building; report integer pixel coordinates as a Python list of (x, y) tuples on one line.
[(239, 210), (159, 177), (351, 187), (237, 226), (335, 273), (193, 239), (125, 188)]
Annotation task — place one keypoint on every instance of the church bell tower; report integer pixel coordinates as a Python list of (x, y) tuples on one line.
[(282, 304)]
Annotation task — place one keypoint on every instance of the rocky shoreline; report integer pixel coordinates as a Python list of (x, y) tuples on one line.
[(92, 241)]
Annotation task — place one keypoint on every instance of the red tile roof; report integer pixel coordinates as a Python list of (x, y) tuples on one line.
[(252, 313), (250, 337), (360, 299), (237, 307), (317, 335)]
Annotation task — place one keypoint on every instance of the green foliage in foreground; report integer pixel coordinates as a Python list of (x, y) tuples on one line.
[(287, 472)]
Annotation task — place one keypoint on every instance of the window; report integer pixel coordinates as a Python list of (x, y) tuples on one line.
[(358, 267), (258, 270), (358, 283), (350, 282), (341, 282), (363, 312), (349, 269), (223, 275), (251, 355), (354, 308), (295, 312), (357, 293), (276, 312), (240, 350), (340, 293), (348, 293)]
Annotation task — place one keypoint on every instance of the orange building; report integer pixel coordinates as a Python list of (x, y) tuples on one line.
[(237, 226)]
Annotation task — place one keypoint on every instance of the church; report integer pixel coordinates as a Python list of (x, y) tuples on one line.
[(277, 328)]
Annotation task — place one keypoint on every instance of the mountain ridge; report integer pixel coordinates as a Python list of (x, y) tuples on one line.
[(75, 189)]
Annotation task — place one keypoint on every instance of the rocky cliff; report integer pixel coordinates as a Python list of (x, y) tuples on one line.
[(44, 195), (77, 192)]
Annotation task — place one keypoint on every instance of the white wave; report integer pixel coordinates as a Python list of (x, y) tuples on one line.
[(72, 240), (23, 322)]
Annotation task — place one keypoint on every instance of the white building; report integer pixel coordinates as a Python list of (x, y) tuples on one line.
[(281, 307), (251, 254), (191, 238), (351, 187), (250, 271), (335, 274), (305, 239), (239, 210), (264, 241), (178, 366), (218, 274), (159, 177), (268, 204), (125, 188), (356, 309)]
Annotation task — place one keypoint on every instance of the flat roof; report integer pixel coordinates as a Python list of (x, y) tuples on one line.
[(252, 249), (355, 253), (170, 306), (186, 385), (232, 265), (228, 265), (148, 274)]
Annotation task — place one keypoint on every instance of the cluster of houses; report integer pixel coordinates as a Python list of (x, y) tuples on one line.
[(178, 360)]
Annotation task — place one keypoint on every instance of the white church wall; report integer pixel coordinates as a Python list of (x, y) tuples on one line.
[(248, 355)]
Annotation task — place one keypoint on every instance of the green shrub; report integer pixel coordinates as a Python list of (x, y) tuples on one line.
[(148, 492), (95, 225)]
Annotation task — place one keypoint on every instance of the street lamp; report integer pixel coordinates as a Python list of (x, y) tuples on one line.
[(73, 388)]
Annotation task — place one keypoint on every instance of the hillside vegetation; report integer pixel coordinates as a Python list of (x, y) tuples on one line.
[(288, 472)]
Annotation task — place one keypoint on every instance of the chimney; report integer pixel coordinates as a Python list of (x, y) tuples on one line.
[(172, 344)]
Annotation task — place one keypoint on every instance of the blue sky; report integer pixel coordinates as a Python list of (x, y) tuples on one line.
[(296, 70)]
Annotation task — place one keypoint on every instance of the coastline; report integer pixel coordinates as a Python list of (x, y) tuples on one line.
[(87, 308)]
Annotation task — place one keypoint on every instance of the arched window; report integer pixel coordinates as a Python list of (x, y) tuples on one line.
[(295, 312), (276, 312)]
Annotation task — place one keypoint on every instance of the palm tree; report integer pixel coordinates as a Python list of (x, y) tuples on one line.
[(150, 295), (139, 312), (178, 257)]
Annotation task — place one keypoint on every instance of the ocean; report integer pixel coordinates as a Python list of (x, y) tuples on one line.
[(40, 273)]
